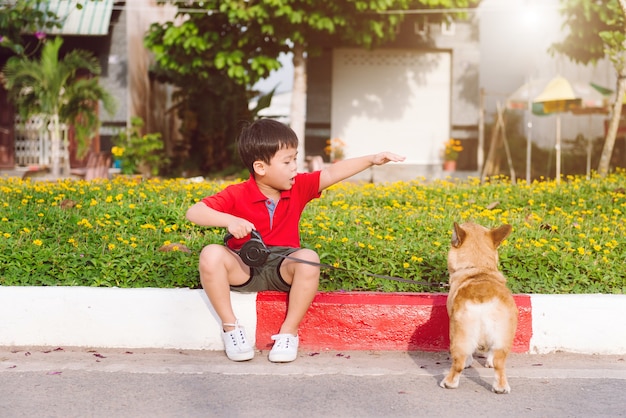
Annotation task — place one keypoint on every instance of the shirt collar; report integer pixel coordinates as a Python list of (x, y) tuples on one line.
[(255, 192)]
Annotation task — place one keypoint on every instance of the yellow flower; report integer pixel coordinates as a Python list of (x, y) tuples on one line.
[(38, 242), (452, 148), (117, 151)]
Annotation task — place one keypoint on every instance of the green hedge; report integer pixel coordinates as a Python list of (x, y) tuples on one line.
[(567, 238)]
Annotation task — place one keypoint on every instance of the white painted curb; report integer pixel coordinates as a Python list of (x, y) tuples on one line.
[(586, 324), (113, 317), (184, 319)]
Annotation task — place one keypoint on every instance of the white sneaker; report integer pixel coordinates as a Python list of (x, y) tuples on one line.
[(236, 344), (285, 348)]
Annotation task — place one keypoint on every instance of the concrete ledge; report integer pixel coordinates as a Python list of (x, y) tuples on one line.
[(374, 321), (585, 324), (184, 319), (113, 317)]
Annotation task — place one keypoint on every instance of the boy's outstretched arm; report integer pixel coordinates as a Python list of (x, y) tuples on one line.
[(343, 169)]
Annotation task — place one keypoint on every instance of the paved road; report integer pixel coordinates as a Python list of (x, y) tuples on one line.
[(78, 382)]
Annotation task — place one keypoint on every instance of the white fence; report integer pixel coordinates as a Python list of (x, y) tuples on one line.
[(32, 142)]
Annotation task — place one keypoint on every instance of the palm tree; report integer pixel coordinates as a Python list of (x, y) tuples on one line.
[(56, 91)]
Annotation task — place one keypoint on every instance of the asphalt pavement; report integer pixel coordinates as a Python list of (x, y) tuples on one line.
[(97, 382)]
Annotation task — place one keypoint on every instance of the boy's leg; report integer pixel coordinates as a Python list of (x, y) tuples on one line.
[(304, 279), (219, 268)]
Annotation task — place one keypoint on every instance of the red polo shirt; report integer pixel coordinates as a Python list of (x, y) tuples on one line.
[(246, 201)]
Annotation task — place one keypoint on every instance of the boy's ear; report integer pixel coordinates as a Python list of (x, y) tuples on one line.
[(259, 167)]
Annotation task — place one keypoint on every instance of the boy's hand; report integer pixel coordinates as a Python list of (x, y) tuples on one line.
[(386, 157), (240, 228)]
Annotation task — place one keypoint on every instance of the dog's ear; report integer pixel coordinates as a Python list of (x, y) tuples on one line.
[(458, 235), (499, 234)]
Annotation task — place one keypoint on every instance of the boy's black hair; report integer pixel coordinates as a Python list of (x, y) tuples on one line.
[(260, 140)]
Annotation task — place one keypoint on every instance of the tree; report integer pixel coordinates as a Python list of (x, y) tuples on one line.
[(212, 61), (59, 92), (265, 28), (24, 16), (597, 29)]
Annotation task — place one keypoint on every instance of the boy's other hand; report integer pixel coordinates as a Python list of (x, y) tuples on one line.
[(386, 157)]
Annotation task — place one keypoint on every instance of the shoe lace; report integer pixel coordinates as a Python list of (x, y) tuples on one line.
[(238, 333), (283, 340)]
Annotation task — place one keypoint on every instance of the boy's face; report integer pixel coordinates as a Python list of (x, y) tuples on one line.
[(280, 173)]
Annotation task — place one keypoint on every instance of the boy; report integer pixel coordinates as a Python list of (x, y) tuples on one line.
[(270, 202)]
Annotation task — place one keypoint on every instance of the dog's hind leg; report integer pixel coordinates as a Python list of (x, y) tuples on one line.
[(500, 383), (451, 381), (461, 352), (462, 346)]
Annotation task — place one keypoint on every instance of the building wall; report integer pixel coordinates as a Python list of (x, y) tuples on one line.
[(114, 79), (115, 68), (463, 39), (148, 100), (396, 98), (460, 41)]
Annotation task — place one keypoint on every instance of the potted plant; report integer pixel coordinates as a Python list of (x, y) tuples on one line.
[(334, 149), (451, 151), (139, 154)]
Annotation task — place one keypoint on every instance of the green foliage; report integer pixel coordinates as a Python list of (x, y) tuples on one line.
[(213, 98), (54, 89), (24, 16), (139, 154), (566, 238), (595, 30)]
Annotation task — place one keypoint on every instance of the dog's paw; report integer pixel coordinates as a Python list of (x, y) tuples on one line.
[(489, 362), (449, 385), (501, 389)]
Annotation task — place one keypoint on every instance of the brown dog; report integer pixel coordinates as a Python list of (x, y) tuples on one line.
[(483, 314)]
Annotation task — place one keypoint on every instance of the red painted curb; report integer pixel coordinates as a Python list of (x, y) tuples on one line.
[(374, 321)]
